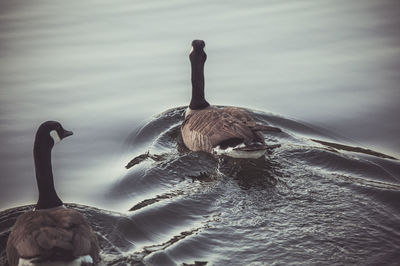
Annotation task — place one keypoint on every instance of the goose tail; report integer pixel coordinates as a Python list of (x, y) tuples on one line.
[(252, 151)]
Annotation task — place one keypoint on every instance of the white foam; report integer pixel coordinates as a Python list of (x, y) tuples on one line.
[(77, 262), (54, 208)]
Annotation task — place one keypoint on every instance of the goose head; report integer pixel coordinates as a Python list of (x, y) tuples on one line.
[(50, 133), (197, 54)]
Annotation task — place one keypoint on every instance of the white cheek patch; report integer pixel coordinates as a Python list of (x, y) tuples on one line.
[(191, 50), (55, 136)]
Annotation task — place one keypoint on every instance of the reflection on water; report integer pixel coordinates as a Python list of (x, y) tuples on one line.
[(104, 70)]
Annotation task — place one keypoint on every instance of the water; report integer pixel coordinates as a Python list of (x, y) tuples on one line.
[(111, 72)]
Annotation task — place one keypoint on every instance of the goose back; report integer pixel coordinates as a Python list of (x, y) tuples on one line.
[(51, 235), (202, 130)]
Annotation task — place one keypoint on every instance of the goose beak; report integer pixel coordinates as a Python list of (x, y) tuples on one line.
[(66, 133)]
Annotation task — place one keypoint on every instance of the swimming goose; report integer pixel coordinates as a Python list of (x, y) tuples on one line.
[(51, 234), (230, 131)]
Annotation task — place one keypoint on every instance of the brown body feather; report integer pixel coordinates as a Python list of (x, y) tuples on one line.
[(57, 234), (204, 129)]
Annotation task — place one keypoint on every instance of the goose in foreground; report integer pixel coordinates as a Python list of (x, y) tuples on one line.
[(230, 131), (51, 234)]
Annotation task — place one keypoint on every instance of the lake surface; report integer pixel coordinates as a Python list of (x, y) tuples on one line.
[(118, 75)]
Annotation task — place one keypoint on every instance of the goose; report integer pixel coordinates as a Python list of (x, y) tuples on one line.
[(51, 234), (229, 131)]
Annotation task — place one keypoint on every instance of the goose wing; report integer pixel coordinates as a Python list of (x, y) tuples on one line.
[(38, 234), (209, 127)]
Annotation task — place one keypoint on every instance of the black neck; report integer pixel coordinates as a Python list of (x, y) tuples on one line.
[(44, 176), (198, 100)]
